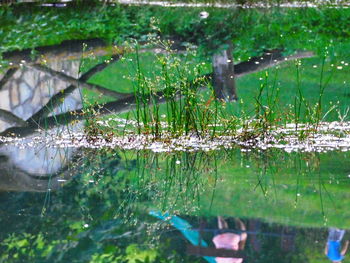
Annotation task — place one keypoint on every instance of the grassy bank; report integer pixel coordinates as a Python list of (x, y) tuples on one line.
[(251, 30)]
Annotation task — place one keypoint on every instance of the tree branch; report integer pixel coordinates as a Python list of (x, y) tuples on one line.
[(9, 73), (77, 82), (11, 118), (99, 67), (58, 98)]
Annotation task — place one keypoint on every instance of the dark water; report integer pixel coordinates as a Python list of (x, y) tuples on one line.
[(84, 205)]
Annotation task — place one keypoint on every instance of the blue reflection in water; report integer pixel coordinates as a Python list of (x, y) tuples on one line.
[(185, 228)]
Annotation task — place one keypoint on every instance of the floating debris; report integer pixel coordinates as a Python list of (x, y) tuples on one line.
[(329, 136), (203, 15)]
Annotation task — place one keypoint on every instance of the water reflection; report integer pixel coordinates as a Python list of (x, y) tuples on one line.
[(28, 90), (230, 241), (208, 198), (34, 169), (37, 87), (25, 94), (334, 251), (218, 206), (267, 243)]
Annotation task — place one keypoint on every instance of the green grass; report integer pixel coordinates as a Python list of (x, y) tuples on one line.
[(119, 76), (271, 96), (251, 30), (336, 90)]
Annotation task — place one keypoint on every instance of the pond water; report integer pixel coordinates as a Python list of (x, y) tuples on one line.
[(183, 141), (83, 205)]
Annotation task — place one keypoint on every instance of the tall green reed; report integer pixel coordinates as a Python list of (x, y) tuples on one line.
[(178, 86)]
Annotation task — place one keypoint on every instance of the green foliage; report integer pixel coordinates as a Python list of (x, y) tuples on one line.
[(25, 248), (136, 255), (180, 79), (251, 30)]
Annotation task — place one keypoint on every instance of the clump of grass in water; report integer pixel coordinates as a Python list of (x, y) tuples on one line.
[(265, 110), (191, 113), (314, 114), (187, 111)]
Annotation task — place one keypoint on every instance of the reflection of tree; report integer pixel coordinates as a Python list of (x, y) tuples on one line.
[(99, 209), (59, 97), (268, 60), (111, 195), (8, 75), (127, 102), (17, 177), (79, 82), (11, 118)]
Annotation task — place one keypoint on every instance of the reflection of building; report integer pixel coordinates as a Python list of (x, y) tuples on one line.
[(37, 87), (28, 90), (25, 92), (34, 168)]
